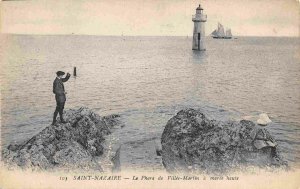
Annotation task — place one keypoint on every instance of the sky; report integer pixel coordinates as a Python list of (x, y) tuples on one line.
[(149, 17)]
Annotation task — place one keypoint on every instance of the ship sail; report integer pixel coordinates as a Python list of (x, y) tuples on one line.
[(220, 32), (214, 33), (228, 33)]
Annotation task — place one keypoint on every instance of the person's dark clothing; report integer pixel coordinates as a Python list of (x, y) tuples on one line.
[(60, 97), (59, 109), (59, 89)]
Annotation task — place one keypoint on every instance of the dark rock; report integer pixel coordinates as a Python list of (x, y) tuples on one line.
[(158, 152), (158, 148), (192, 142), (73, 145)]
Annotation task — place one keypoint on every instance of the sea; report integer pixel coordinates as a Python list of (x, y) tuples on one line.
[(147, 80)]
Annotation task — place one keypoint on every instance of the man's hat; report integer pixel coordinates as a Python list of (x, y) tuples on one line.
[(59, 73)]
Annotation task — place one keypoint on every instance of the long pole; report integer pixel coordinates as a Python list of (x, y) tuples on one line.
[(74, 72)]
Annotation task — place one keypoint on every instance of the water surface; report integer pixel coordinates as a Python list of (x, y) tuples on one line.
[(148, 79)]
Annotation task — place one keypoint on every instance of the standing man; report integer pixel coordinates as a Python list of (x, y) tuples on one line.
[(60, 95)]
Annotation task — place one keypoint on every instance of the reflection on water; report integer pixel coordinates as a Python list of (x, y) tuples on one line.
[(199, 57), (149, 79)]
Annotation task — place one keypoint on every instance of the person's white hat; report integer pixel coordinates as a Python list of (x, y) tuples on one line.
[(263, 119)]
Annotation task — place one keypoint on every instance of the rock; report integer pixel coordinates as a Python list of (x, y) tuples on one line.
[(116, 160), (70, 146), (158, 148), (263, 119), (191, 139)]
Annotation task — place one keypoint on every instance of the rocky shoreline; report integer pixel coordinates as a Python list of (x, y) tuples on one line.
[(191, 142), (75, 145)]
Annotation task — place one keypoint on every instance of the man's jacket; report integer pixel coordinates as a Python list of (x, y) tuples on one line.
[(59, 89)]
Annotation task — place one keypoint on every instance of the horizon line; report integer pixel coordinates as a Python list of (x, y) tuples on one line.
[(105, 35)]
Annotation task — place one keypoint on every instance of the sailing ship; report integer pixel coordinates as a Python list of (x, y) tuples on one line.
[(220, 34)]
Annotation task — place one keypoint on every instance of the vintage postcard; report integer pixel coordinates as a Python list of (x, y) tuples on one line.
[(150, 94)]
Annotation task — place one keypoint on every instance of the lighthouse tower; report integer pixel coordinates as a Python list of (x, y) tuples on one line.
[(199, 20)]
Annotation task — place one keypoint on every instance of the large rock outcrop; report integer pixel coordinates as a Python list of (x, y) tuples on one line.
[(70, 146), (193, 142)]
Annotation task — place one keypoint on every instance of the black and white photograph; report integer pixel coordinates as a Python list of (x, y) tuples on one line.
[(150, 94)]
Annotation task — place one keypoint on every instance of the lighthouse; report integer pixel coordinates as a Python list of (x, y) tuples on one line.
[(199, 20)]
